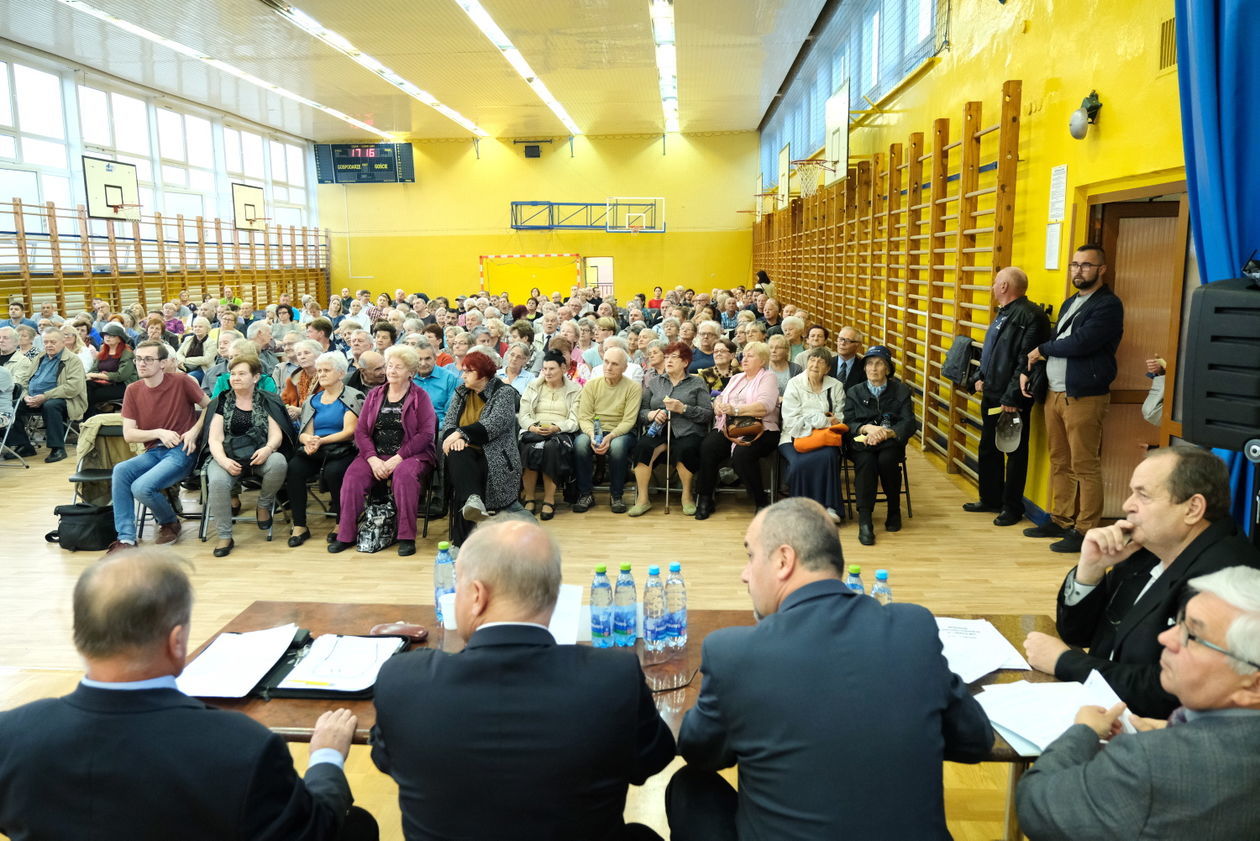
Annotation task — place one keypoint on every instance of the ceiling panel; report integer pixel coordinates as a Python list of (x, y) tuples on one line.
[(596, 56)]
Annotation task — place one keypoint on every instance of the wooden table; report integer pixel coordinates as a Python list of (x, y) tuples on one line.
[(674, 678)]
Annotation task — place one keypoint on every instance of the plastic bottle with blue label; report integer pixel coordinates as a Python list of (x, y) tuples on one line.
[(443, 576), (601, 609), (676, 607), (854, 580), (655, 629), (625, 622)]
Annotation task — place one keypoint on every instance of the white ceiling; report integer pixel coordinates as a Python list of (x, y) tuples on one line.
[(596, 56)]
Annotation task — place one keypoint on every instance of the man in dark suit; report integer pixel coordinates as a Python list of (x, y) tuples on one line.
[(1176, 526), (847, 366), (1018, 326), (829, 706), (128, 756), (1191, 776), (1080, 364), (515, 737)]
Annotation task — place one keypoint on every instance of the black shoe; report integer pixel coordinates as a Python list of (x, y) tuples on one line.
[(1008, 518), (547, 511), (1070, 544), (406, 547), (25, 450), (617, 505), (704, 507), (980, 508), (866, 529), (331, 536), (1047, 530), (57, 454), (336, 546), (264, 525), (893, 522), (297, 540), (224, 551), (584, 503)]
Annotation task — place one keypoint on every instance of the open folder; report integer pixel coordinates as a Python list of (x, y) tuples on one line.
[(287, 662)]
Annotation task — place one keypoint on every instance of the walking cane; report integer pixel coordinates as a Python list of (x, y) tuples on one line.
[(668, 439)]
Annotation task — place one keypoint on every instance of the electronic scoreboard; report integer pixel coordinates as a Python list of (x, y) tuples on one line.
[(364, 163)]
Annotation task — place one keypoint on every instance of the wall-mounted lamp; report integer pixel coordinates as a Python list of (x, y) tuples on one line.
[(1085, 116)]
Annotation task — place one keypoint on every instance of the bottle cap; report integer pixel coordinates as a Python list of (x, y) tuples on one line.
[(444, 546), (654, 570), (881, 575), (675, 567), (854, 569), (625, 566), (601, 568)]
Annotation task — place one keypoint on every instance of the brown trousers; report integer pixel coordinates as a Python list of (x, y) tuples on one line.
[(1074, 429)]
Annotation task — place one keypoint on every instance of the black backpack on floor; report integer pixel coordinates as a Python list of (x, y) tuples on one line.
[(84, 526)]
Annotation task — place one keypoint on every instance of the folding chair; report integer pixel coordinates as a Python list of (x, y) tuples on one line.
[(849, 492), (5, 449)]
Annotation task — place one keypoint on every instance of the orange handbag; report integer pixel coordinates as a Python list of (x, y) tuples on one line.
[(827, 436)]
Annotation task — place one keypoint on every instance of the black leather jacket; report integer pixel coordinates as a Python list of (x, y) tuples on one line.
[(1024, 326)]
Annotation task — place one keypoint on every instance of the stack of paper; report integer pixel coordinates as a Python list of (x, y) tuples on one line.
[(1032, 715), (233, 664), (973, 648), (341, 663)]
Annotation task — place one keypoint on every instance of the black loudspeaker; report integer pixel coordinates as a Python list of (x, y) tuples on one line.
[(1220, 381), (533, 151)]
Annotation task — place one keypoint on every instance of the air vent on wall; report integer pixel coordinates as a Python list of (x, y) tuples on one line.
[(1168, 44)]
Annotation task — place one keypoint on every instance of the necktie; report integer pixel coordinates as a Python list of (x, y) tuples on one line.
[(844, 372)]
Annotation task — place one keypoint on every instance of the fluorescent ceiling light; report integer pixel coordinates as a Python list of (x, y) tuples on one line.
[(340, 43), (662, 14), (478, 14), (184, 49)]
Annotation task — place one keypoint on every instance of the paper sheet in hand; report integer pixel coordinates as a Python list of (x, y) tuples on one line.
[(233, 664), (1040, 712), (974, 647), (341, 664)]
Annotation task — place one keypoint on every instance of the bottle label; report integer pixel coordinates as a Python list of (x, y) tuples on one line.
[(654, 628), (601, 625)]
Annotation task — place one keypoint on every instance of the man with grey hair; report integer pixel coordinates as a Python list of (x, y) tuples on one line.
[(369, 373), (259, 332), (634, 371), (778, 700), (13, 359), (707, 334), (437, 382), (1131, 578), (535, 739), (129, 756), (1190, 776), (56, 390), (612, 398)]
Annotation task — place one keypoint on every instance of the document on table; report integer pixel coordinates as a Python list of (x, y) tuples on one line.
[(973, 648), (341, 663), (566, 618), (233, 664), (1038, 713)]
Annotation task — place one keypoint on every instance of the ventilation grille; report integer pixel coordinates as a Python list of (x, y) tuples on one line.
[(1168, 44)]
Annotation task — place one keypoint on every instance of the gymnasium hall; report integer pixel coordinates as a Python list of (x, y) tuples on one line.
[(829, 167)]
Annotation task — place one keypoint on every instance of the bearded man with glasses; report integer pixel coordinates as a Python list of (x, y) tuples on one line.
[(1176, 526)]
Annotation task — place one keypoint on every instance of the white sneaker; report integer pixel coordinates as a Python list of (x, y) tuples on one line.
[(474, 509), (835, 518)]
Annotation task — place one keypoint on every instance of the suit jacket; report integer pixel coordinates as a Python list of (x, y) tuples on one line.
[(830, 706), (1097, 328), (1192, 782), (857, 371), (516, 737), (154, 765), (1121, 631)]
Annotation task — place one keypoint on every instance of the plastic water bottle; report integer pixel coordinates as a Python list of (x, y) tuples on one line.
[(601, 609), (654, 428), (625, 626), (854, 581), (881, 592), (599, 433), (676, 607), (655, 628), (443, 576)]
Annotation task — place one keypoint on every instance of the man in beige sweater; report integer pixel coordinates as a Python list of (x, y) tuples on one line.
[(612, 400)]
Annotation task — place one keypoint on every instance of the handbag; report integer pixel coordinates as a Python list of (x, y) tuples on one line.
[(378, 524), (83, 526), (241, 448), (743, 430), (827, 436)]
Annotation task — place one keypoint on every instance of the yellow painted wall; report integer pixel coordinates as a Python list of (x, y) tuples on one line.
[(1061, 50), (429, 235)]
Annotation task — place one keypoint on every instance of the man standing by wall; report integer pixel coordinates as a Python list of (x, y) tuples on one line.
[(1080, 366), (1017, 328)]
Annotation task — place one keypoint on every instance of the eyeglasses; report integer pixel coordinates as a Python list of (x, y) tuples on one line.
[(1075, 266), (845, 341), (147, 359), (1188, 636)]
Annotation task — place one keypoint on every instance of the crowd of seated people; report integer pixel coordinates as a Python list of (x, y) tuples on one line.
[(570, 390)]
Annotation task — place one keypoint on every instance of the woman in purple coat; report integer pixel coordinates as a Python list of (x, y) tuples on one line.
[(395, 442)]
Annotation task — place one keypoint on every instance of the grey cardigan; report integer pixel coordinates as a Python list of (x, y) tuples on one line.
[(691, 392)]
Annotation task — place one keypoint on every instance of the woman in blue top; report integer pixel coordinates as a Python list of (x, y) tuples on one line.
[(325, 442)]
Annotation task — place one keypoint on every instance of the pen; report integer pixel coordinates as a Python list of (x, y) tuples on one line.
[(310, 682)]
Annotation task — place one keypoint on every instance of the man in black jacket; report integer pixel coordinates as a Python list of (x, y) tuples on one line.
[(1080, 364), (1176, 527), (1017, 328)]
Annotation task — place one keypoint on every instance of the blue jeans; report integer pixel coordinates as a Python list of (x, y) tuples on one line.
[(619, 452), (144, 478)]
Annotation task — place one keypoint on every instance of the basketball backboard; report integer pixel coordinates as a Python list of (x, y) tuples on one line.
[(836, 115), (635, 214), (248, 208), (112, 188), (785, 175)]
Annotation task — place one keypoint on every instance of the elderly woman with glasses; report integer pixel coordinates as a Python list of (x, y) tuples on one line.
[(675, 406)]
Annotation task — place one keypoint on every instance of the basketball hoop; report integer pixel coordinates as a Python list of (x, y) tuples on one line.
[(636, 228), (118, 208), (810, 172), (249, 221), (769, 201)]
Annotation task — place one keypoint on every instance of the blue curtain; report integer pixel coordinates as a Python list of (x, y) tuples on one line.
[(1218, 64)]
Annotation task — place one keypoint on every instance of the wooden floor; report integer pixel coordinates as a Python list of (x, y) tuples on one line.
[(945, 559)]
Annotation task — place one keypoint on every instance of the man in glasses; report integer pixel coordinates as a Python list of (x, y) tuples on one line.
[(159, 411), (847, 366), (1192, 776), (1176, 526), (1080, 362)]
